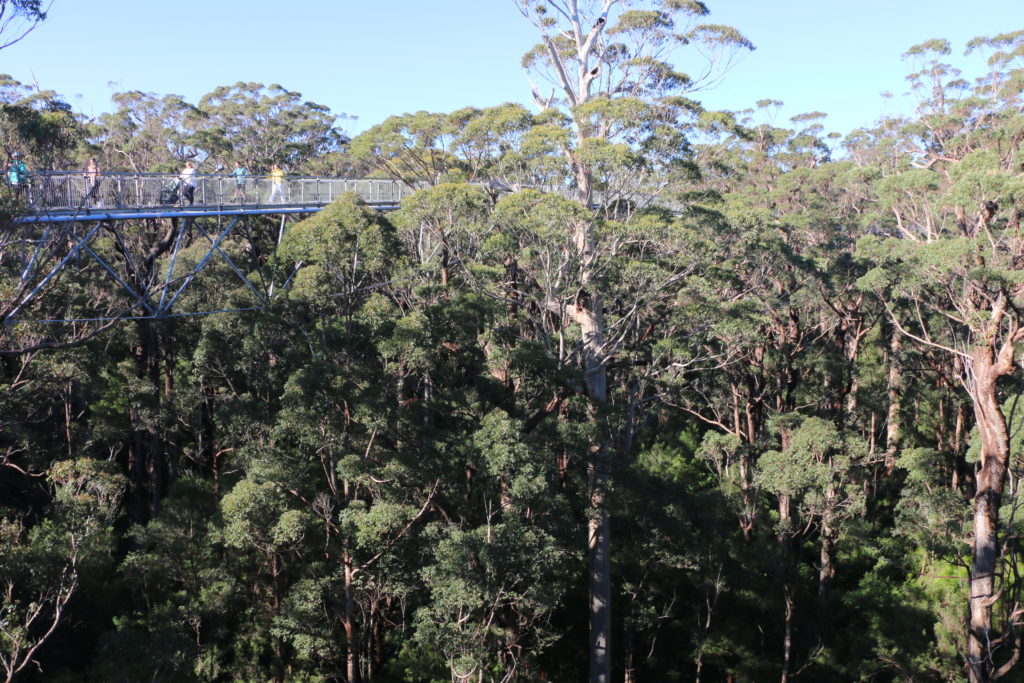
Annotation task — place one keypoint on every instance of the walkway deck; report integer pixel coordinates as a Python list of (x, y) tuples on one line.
[(67, 215), (59, 197)]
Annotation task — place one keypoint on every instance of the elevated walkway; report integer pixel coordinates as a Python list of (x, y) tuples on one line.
[(141, 271), (61, 196), (71, 222)]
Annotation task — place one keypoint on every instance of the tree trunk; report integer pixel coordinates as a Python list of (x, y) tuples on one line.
[(600, 583), (827, 551), (749, 512), (628, 647), (351, 627), (588, 313), (982, 655), (170, 428), (208, 456), (599, 541), (893, 425), (753, 412), (138, 463), (147, 469), (785, 538), (584, 179), (146, 466), (787, 641), (853, 385)]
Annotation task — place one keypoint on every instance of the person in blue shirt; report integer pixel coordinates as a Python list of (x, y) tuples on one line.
[(241, 175), (17, 175)]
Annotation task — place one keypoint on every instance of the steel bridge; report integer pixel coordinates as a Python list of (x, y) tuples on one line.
[(135, 231), (149, 241), (58, 196)]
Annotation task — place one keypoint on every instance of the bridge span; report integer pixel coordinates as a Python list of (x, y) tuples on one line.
[(97, 227), (102, 229), (62, 196)]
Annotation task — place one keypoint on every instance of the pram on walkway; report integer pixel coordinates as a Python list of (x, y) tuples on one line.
[(169, 193)]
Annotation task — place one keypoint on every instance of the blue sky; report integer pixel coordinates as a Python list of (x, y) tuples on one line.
[(374, 60)]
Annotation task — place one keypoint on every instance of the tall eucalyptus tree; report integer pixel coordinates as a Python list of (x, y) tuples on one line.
[(957, 271), (609, 63)]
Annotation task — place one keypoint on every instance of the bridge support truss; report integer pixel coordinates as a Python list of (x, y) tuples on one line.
[(146, 267)]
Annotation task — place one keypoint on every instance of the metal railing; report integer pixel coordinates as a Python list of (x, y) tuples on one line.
[(73, 191), (63, 195)]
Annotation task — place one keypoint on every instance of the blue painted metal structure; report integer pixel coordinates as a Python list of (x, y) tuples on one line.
[(62, 196), (66, 213)]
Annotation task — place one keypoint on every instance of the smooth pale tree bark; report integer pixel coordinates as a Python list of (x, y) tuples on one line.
[(350, 624), (893, 425), (589, 315), (605, 57), (987, 367)]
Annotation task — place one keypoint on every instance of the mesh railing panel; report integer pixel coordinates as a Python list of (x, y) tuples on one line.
[(61, 191)]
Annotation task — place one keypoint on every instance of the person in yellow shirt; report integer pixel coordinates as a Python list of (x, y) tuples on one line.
[(276, 184)]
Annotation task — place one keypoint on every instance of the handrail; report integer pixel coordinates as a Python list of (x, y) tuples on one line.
[(54, 191), (70, 192)]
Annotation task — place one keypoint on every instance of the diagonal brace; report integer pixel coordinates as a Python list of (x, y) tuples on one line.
[(71, 254), (262, 299), (138, 297), (199, 266)]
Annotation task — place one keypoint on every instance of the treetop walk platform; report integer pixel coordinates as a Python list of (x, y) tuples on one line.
[(69, 196), (74, 221)]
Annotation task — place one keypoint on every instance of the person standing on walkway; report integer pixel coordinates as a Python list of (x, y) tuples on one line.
[(241, 176), (276, 184), (17, 175), (92, 182), (188, 182)]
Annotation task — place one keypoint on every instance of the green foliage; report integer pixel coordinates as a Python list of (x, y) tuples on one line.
[(344, 250), (261, 125), (413, 148), (931, 514), (129, 653), (397, 463), (37, 124), (492, 589)]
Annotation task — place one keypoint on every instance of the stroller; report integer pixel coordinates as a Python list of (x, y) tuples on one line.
[(169, 193)]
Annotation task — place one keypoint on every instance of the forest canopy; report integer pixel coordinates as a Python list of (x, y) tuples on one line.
[(625, 385)]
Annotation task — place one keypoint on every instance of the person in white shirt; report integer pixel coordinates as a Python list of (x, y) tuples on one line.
[(188, 182), (92, 182)]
